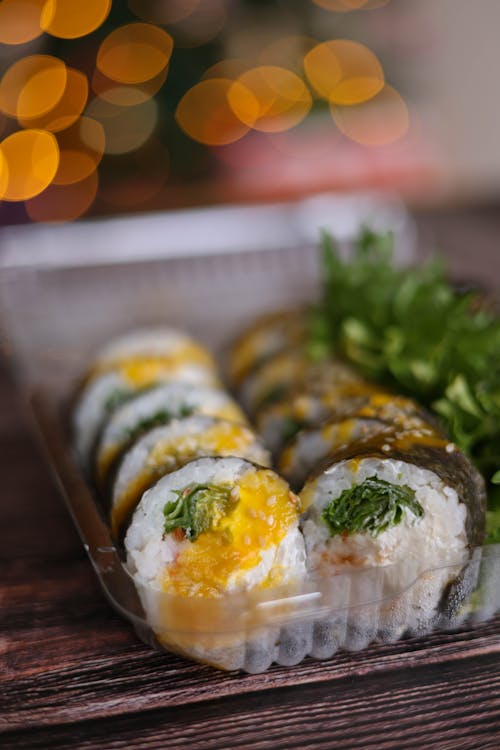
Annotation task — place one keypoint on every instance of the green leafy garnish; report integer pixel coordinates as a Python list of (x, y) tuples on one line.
[(198, 508), (411, 330), (372, 506)]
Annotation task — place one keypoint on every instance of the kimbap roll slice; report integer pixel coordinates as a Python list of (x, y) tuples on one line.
[(389, 497), (270, 335), (280, 423), (151, 348), (155, 407), (290, 370), (406, 499), (166, 448), (203, 539), (128, 366), (380, 413)]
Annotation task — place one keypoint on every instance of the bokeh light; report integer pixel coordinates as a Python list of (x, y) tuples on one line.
[(4, 174), (70, 19), (134, 53), (81, 148), (33, 86), (201, 26), (126, 95), (68, 109), (31, 158), (344, 72), (20, 20), (163, 11), (204, 112), (377, 122), (125, 128), (282, 98), (64, 202)]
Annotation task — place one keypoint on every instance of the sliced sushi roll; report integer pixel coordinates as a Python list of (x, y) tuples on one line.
[(215, 527), (132, 364), (382, 413), (164, 449), (149, 347), (289, 370), (280, 423), (395, 500), (155, 407), (269, 335)]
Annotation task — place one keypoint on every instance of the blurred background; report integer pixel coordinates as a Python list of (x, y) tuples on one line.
[(113, 107)]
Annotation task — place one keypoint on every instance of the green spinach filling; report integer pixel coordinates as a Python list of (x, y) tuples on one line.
[(372, 506), (163, 416), (197, 508)]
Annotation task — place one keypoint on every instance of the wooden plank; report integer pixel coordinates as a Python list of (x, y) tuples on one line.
[(427, 706), (68, 657)]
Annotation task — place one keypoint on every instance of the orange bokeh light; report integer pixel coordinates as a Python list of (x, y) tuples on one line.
[(378, 122), (204, 112), (4, 174), (70, 19), (81, 148), (33, 86), (64, 202), (344, 72), (20, 20), (134, 53), (31, 158), (282, 98), (125, 128), (163, 11), (126, 95), (68, 109)]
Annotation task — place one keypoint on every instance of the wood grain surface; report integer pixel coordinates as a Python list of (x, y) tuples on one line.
[(74, 674)]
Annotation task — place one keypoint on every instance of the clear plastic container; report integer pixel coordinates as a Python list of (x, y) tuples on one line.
[(65, 290)]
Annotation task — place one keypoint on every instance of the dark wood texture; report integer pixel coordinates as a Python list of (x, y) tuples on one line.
[(73, 674)]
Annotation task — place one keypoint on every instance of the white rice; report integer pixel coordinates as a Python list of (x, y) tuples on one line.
[(150, 551), (437, 538)]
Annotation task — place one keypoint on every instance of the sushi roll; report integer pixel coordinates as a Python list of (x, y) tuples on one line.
[(129, 365), (407, 498), (150, 348), (380, 413), (215, 528), (166, 448), (289, 370), (155, 407), (304, 408), (269, 335)]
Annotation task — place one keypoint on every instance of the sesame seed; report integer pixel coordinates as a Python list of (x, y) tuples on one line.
[(270, 520), (271, 500), (251, 512), (247, 540)]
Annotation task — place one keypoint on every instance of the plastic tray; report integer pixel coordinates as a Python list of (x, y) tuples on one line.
[(67, 289)]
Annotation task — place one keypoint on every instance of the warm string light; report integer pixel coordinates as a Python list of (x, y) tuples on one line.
[(69, 122)]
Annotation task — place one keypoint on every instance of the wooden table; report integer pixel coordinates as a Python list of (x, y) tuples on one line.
[(73, 674)]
